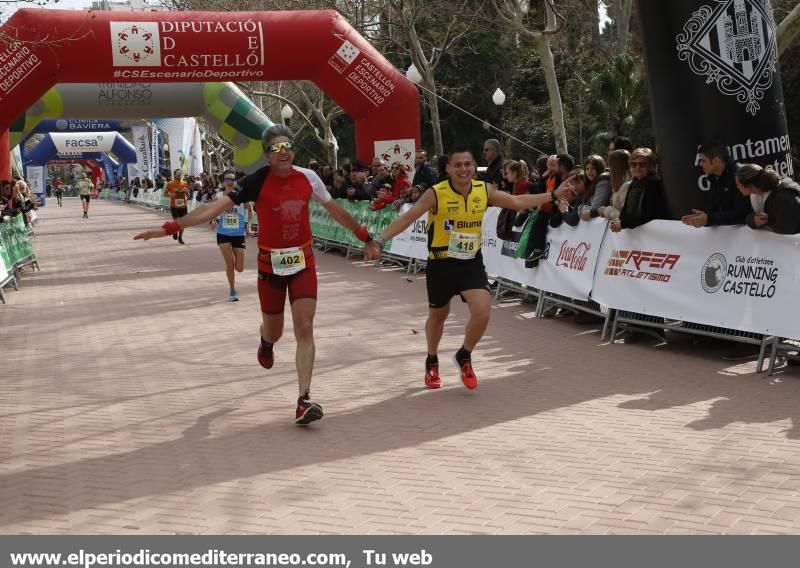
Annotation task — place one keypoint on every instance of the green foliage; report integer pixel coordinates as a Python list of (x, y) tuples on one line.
[(618, 102)]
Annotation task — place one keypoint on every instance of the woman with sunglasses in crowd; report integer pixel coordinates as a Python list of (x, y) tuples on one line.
[(646, 199), (232, 227), (281, 192)]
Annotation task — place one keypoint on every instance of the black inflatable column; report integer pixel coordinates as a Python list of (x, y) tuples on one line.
[(713, 75)]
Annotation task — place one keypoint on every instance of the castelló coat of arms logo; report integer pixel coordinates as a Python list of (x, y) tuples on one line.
[(732, 44)]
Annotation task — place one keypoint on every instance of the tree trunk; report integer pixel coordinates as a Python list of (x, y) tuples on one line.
[(788, 29), (594, 17), (433, 104), (331, 146), (554, 92), (623, 25)]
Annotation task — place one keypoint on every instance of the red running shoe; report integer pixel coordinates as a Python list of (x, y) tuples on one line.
[(467, 374), (432, 379), (307, 412), (265, 359)]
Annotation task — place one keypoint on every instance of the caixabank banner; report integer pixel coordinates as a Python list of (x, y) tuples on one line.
[(713, 75), (731, 277)]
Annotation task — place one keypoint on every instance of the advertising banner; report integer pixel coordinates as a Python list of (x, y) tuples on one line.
[(155, 150), (16, 158), (195, 152), (730, 277), (569, 261), (722, 56), (402, 151), (180, 132), (413, 242), (35, 179), (144, 151), (73, 142), (133, 172)]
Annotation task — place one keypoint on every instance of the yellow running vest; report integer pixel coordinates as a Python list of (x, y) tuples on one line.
[(454, 229)]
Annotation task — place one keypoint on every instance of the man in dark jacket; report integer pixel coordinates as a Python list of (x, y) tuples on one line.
[(493, 154), (723, 203), (423, 171), (359, 189)]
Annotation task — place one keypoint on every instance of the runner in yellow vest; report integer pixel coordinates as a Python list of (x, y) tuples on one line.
[(455, 211)]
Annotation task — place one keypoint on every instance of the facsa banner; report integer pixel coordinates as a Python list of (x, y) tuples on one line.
[(567, 267), (730, 277), (73, 142)]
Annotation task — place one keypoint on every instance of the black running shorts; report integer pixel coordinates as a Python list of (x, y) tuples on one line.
[(235, 242), (86, 198), (448, 277), (178, 212)]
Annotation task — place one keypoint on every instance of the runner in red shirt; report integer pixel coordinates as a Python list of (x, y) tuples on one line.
[(281, 192)]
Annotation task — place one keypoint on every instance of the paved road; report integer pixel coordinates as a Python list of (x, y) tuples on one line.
[(132, 402)]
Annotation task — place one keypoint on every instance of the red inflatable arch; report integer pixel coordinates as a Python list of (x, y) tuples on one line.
[(67, 46)]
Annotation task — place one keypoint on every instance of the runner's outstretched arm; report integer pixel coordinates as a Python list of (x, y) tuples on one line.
[(425, 203), (200, 215), (521, 202)]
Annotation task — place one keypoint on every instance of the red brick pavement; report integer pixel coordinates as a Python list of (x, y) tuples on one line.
[(132, 402)]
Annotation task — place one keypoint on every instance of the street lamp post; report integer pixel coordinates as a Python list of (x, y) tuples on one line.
[(287, 113), (499, 99), (413, 75)]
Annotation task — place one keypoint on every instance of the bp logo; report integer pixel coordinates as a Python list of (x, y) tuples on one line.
[(715, 269), (135, 44), (732, 44)]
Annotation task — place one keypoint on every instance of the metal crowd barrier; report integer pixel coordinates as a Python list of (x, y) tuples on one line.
[(648, 323), (16, 253), (329, 236)]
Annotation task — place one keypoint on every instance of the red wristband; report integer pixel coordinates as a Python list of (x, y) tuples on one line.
[(362, 234), (171, 227)]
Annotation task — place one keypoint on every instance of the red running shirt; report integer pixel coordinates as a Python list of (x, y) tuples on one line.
[(282, 208)]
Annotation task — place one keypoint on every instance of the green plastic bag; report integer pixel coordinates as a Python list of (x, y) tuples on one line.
[(525, 236)]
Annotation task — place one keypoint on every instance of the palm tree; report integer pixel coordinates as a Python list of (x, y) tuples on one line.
[(618, 100)]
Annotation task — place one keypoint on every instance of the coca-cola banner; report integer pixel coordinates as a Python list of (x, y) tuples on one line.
[(567, 267), (732, 277), (570, 259)]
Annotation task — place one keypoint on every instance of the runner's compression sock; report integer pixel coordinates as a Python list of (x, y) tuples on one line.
[(462, 355), (431, 361)]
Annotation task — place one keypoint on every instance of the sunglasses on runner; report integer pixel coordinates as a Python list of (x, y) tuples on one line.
[(229, 178), (278, 146)]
